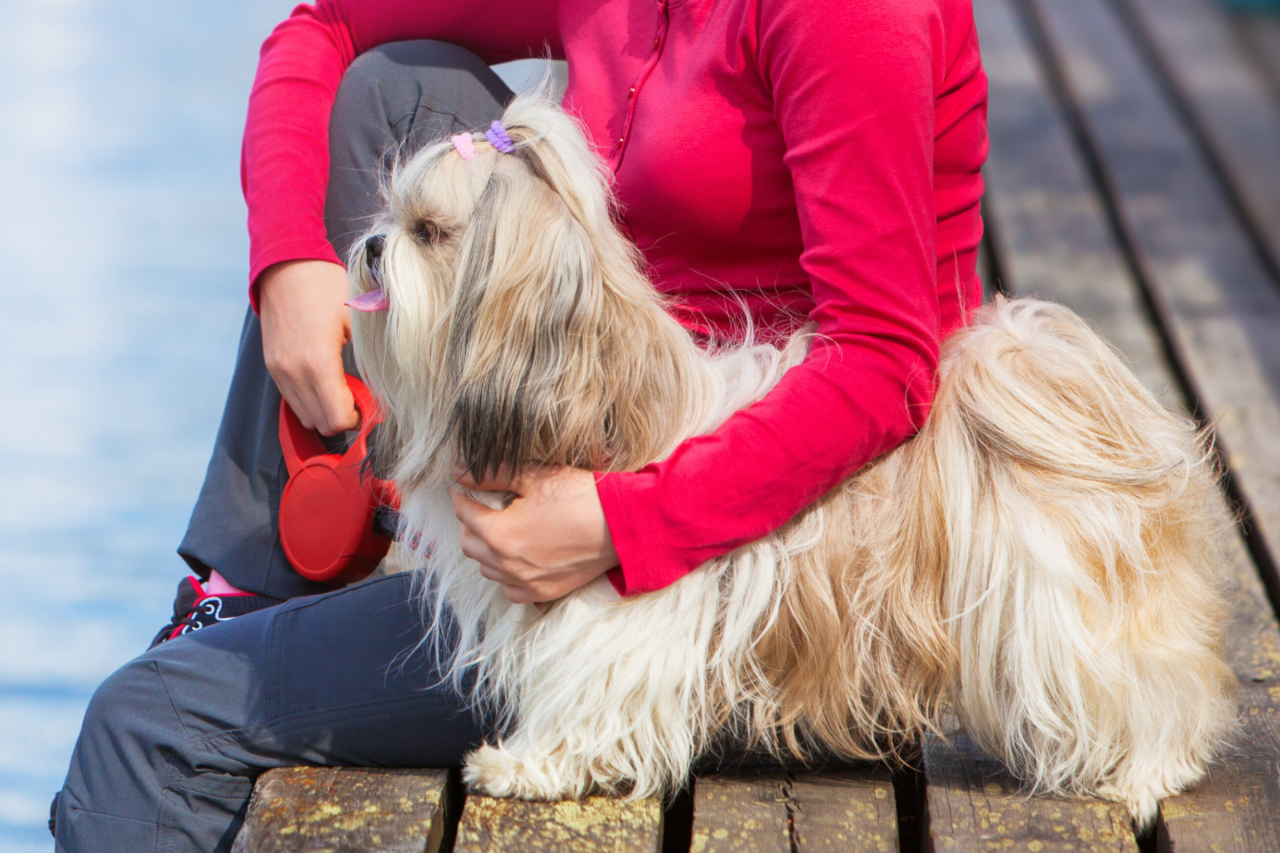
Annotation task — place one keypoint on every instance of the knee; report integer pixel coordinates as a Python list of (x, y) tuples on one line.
[(130, 708), (400, 59), (118, 762), (410, 82)]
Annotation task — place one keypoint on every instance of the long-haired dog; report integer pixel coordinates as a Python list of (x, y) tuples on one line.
[(1042, 560)]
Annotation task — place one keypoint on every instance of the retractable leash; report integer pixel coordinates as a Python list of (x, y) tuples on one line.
[(336, 520)]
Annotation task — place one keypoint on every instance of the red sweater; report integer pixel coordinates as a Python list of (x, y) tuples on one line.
[(816, 158)]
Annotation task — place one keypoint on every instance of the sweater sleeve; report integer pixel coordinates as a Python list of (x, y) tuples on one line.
[(284, 167), (855, 85)]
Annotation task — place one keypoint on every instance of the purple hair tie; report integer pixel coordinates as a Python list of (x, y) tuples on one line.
[(498, 138)]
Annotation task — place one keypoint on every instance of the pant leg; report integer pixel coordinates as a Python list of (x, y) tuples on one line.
[(394, 97), (172, 742)]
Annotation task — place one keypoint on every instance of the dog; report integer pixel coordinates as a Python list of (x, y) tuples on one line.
[(1042, 562)]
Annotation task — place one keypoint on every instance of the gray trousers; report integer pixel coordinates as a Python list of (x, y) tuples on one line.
[(172, 742), (395, 96)]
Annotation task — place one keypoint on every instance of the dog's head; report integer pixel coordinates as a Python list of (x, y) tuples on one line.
[(518, 327)]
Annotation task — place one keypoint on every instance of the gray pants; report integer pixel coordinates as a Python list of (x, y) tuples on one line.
[(397, 95), (172, 742)]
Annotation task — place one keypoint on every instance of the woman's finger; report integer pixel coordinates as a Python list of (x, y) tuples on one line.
[(471, 513), (500, 481), (475, 548), (520, 595), (335, 404)]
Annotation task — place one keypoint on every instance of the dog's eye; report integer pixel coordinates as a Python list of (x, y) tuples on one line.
[(427, 231)]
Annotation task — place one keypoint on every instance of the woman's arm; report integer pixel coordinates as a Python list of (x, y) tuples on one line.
[(866, 94), (297, 283)]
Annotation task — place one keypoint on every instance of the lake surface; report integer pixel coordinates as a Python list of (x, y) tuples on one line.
[(124, 277)]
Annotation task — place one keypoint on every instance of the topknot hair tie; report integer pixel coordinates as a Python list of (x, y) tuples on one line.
[(463, 145), (497, 136)]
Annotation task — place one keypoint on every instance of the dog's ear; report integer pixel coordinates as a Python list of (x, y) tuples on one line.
[(524, 345)]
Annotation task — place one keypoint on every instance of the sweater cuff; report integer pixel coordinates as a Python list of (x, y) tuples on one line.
[(294, 250), (644, 565)]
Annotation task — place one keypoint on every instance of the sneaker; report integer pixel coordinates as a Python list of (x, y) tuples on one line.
[(195, 608)]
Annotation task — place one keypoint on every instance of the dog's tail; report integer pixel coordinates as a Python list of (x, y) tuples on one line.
[(1083, 586)]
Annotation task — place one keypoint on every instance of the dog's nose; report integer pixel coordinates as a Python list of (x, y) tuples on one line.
[(373, 248)]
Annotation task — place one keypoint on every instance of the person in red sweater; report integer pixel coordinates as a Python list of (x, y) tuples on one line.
[(807, 160)]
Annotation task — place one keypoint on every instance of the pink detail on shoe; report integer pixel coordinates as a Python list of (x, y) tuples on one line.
[(218, 585)]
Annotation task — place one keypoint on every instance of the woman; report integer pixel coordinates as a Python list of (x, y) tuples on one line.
[(805, 158)]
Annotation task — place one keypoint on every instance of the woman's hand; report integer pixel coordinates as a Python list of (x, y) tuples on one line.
[(304, 327), (549, 541)]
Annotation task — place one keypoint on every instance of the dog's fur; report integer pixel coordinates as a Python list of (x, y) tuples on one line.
[(1042, 560)]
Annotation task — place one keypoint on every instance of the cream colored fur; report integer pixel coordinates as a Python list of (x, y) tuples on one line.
[(1041, 560)]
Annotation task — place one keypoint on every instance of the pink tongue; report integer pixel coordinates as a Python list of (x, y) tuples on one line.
[(374, 300)]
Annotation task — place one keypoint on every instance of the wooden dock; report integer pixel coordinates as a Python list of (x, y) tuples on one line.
[(1134, 176)]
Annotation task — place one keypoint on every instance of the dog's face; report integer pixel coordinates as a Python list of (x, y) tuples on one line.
[(513, 301)]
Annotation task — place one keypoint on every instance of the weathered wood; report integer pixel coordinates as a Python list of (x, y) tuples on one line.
[(1226, 96), (740, 813), (837, 810), (1050, 227), (844, 811), (974, 805), (592, 825), (345, 809)]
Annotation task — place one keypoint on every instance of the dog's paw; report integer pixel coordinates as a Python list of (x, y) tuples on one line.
[(498, 772), (1142, 802)]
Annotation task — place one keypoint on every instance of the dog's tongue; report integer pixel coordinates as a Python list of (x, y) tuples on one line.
[(374, 300)]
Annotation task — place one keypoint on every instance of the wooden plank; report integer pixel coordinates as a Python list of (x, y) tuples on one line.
[(783, 813), (594, 824), (850, 810), (739, 813), (974, 805), (345, 810), (1049, 225), (1226, 96)]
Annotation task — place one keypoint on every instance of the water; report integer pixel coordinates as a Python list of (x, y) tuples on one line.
[(123, 281)]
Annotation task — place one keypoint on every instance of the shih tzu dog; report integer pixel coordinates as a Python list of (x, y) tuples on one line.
[(1041, 562)]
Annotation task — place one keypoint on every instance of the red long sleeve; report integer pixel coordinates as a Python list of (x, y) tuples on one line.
[(811, 158)]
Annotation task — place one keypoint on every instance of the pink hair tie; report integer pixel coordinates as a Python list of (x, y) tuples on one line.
[(497, 136), (463, 145), (373, 300)]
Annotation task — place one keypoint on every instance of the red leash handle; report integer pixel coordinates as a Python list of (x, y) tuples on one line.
[(327, 507)]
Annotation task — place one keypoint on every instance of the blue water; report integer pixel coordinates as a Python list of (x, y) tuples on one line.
[(123, 273)]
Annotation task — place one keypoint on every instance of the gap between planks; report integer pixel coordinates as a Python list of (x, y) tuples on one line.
[(852, 810)]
